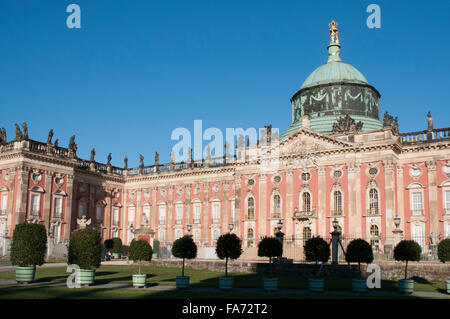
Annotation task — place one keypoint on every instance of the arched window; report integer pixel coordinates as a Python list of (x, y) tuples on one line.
[(337, 203), (373, 202), (250, 208), (306, 234), (276, 212), (306, 201), (374, 231), (250, 236)]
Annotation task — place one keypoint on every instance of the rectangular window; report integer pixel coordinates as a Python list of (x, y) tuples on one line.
[(146, 215), (417, 236), (197, 210), (35, 203), (81, 210), (99, 213), (447, 202), (216, 213), (416, 204), (115, 216), (57, 207), (162, 214), (131, 212), (179, 214), (233, 210), (4, 203)]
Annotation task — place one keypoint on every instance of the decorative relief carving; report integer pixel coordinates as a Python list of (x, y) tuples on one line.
[(347, 124)]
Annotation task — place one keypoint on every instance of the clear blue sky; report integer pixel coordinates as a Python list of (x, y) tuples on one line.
[(138, 69)]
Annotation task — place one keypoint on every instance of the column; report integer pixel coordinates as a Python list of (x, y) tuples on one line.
[(389, 213), (262, 213), (21, 198), (432, 200), (289, 201), (205, 219), (48, 198), (322, 208), (70, 207)]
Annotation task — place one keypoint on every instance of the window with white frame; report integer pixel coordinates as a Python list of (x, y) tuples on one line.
[(179, 213), (216, 212), (306, 202), (250, 208), (276, 210), (233, 210), (416, 203), (115, 216), (447, 230), (146, 214), (447, 202), (197, 212), (81, 209), (162, 236), (57, 233), (215, 235), (57, 206), (99, 213), (162, 214), (337, 203), (373, 202), (35, 204), (4, 202), (418, 235), (196, 236)]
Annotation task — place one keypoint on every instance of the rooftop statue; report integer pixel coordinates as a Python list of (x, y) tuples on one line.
[(50, 136), (387, 119), (347, 124), (92, 155), (56, 142), (334, 38), (72, 145), (25, 130), (125, 163), (4, 135), (18, 133), (429, 121), (109, 159), (156, 158), (141, 159)]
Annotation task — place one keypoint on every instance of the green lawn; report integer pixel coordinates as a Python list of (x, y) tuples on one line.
[(205, 278)]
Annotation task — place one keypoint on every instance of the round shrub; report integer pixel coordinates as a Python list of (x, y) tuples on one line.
[(317, 250), (185, 248), (407, 250), (359, 251), (117, 245), (109, 243), (140, 250), (29, 245), (85, 248), (444, 250), (229, 246), (270, 247)]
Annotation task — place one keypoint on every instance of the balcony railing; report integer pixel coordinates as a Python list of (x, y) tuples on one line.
[(57, 214), (35, 212), (337, 213), (216, 220), (425, 136), (416, 212), (250, 217), (178, 221), (196, 220), (373, 211), (275, 215)]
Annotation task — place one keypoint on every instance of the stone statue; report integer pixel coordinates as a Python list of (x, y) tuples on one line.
[(109, 159), (141, 159), (92, 155), (387, 119), (156, 158), (56, 142), (346, 124), (269, 134), (208, 152), (189, 154), (334, 38), (125, 163), (429, 121), (395, 125), (50, 136), (172, 156), (72, 145), (25, 130), (227, 149), (4, 135), (19, 135), (83, 221)]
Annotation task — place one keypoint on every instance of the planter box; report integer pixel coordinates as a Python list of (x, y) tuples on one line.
[(226, 283), (25, 274), (359, 285), (139, 280), (315, 284), (447, 286), (116, 255), (182, 282), (406, 286), (270, 284), (85, 277)]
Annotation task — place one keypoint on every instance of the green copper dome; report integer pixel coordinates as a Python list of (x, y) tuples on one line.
[(334, 71), (335, 91)]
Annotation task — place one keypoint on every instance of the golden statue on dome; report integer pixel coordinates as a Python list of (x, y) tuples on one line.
[(333, 32)]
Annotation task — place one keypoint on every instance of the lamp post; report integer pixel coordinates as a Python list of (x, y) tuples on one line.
[(189, 227), (279, 235), (231, 226)]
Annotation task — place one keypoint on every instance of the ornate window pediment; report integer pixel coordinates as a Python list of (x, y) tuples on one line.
[(60, 192), (37, 189)]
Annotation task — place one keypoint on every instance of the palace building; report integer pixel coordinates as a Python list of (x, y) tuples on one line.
[(339, 163)]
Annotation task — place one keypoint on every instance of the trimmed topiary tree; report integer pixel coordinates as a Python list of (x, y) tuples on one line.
[(140, 250), (184, 248), (109, 243), (29, 245), (407, 250), (444, 250), (270, 247), (117, 246), (85, 249), (228, 246), (359, 251), (317, 250)]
